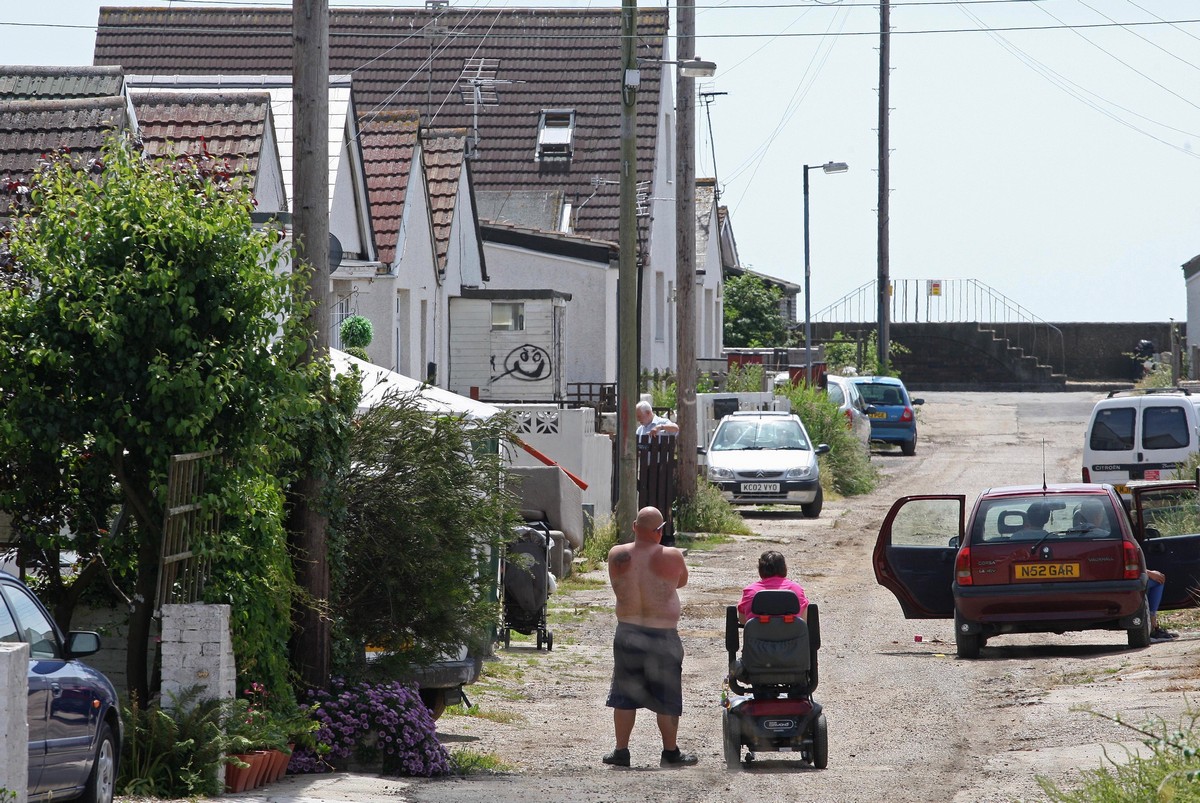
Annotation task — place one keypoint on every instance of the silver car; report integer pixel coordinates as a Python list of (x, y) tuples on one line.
[(766, 458), (845, 394)]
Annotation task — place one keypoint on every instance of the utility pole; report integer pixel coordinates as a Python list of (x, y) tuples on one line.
[(884, 279), (627, 281), (685, 257), (307, 523)]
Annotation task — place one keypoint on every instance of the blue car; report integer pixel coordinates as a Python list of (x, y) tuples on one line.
[(893, 419), (74, 719)]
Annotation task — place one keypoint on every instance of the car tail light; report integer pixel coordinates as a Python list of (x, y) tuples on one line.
[(962, 567), (1087, 475), (1133, 561), (849, 420), (907, 415)]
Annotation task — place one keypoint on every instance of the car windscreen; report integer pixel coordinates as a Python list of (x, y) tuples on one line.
[(1037, 517), (734, 435), (881, 393)]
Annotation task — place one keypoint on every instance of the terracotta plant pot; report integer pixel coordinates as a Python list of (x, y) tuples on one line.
[(237, 779), (261, 763)]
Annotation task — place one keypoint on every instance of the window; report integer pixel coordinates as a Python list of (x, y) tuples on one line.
[(1113, 430), (37, 629), (556, 133), (339, 312), (1164, 428), (508, 316)]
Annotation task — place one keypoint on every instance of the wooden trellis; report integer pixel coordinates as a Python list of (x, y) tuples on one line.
[(181, 574)]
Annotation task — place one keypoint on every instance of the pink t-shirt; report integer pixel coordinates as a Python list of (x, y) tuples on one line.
[(770, 584)]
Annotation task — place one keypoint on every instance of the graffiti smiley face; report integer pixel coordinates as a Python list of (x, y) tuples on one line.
[(527, 363)]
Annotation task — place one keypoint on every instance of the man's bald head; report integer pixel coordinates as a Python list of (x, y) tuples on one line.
[(649, 523)]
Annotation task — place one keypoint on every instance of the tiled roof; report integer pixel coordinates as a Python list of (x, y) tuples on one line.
[(48, 83), (414, 59), (32, 129), (229, 126), (443, 152), (388, 143)]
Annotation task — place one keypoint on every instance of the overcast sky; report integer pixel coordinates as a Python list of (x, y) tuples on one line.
[(1046, 149)]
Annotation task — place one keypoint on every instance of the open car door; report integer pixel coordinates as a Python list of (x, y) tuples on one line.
[(1166, 519), (915, 552)]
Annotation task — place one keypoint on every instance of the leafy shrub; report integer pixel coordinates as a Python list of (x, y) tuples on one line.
[(745, 379), (846, 468), (356, 332), (595, 548), (382, 725), (1171, 771), (708, 512), (175, 752)]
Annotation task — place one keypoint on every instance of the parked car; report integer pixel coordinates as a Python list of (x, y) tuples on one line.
[(73, 717), (766, 458), (893, 419), (853, 406), (1140, 435), (1027, 560)]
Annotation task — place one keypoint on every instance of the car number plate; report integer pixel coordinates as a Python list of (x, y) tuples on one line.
[(760, 487), (878, 415), (1122, 489), (1047, 571)]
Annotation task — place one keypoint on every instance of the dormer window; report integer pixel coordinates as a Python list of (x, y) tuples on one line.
[(556, 133)]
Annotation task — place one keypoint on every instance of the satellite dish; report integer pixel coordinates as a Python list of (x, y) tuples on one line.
[(335, 252)]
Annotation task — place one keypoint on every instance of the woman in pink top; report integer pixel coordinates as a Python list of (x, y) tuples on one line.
[(772, 571)]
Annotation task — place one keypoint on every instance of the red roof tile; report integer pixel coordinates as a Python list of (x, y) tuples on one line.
[(388, 143)]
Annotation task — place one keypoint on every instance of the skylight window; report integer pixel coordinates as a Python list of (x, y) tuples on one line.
[(556, 133)]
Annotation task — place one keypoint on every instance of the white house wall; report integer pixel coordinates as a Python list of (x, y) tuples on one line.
[(503, 364), (464, 264), (591, 331), (658, 274), (1192, 284), (420, 323), (707, 297)]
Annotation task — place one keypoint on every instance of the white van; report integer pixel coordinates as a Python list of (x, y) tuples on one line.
[(1140, 435)]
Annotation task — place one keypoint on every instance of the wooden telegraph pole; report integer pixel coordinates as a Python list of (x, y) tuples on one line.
[(884, 279), (685, 257), (310, 233), (627, 281)]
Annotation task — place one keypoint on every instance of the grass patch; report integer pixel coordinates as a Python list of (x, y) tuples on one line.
[(1169, 771), (502, 670), (1185, 619), (595, 549), (702, 542), (470, 762), (567, 616), (708, 512), (577, 582), (503, 717)]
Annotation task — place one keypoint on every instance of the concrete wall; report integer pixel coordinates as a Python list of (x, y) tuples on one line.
[(14, 727), (569, 438), (197, 651)]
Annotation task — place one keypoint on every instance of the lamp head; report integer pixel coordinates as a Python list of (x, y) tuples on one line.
[(695, 67), (835, 167)]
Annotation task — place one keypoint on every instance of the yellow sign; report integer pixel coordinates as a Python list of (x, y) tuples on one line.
[(935, 287)]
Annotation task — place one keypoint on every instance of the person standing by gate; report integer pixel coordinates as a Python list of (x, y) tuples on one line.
[(651, 424)]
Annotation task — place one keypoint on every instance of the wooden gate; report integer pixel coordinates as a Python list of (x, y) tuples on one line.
[(656, 479)]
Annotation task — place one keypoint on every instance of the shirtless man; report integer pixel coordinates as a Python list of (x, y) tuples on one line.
[(647, 651)]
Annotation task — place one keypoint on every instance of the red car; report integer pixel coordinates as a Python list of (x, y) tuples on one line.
[(1037, 559)]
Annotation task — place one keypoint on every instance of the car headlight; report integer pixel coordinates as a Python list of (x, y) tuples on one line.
[(717, 474), (802, 473)]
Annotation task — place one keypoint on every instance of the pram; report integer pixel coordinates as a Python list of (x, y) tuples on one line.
[(769, 706), (525, 574)]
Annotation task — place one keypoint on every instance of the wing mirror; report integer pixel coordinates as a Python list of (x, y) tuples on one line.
[(82, 643), (915, 402), (953, 543), (822, 448)]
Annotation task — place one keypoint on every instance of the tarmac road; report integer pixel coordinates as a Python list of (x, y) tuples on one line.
[(907, 720)]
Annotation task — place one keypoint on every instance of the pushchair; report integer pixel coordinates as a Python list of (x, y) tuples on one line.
[(525, 574), (769, 706)]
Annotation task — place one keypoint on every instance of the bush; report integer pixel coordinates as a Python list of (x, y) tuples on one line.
[(382, 725), (846, 468), (356, 332), (1170, 772), (173, 753), (595, 548), (708, 512)]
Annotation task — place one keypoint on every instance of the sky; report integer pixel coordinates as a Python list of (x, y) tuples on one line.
[(1045, 154)]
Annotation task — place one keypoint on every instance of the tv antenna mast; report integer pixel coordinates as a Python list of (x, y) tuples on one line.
[(477, 87)]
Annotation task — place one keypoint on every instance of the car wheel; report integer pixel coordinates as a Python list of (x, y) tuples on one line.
[(1140, 636), (820, 744), (101, 784), (813, 509), (909, 448), (967, 644), (435, 701), (733, 748)]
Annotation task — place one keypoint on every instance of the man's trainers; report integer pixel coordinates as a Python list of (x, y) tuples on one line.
[(1160, 634), (675, 758), (617, 758)]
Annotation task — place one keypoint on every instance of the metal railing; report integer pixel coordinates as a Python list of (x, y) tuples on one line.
[(954, 301)]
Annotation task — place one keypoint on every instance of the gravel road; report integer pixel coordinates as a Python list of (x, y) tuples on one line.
[(907, 720)]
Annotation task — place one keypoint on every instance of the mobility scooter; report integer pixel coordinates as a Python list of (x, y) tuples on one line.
[(769, 706)]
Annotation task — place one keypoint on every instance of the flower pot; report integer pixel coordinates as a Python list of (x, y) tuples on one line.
[(237, 779), (279, 762), (258, 768)]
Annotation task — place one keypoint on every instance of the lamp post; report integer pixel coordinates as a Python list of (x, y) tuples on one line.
[(828, 167)]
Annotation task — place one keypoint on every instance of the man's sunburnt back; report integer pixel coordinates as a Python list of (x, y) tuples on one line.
[(646, 576)]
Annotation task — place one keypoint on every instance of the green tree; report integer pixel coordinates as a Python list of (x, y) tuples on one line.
[(752, 313), (424, 516), (140, 317)]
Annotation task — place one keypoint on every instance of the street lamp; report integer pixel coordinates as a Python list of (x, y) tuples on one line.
[(828, 167)]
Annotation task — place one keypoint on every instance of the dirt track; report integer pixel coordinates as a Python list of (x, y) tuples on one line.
[(907, 720)]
